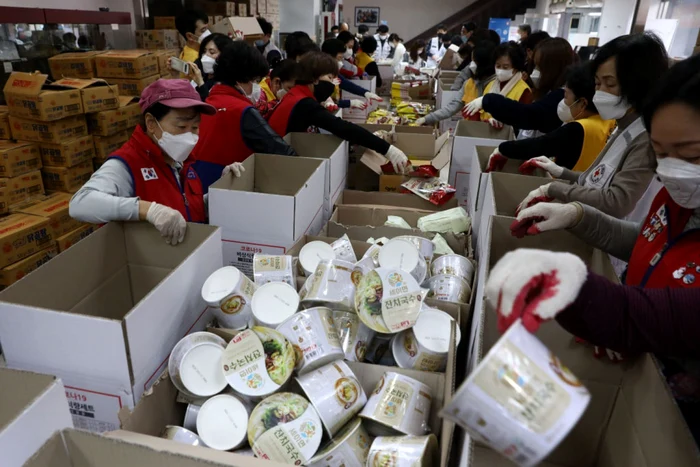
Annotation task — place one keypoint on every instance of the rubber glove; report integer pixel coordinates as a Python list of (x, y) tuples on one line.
[(473, 107), (543, 217), (330, 105), (370, 96), (398, 159), (495, 123), (168, 221), (543, 163), (538, 195), (358, 104), (602, 352), (496, 161), (420, 121), (534, 285), (236, 168)]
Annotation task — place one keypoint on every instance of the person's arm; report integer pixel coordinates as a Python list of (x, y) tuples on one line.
[(461, 78), (609, 234), (540, 115), (373, 70), (348, 86), (563, 144), (259, 137), (570, 175), (526, 97), (344, 103), (453, 108)]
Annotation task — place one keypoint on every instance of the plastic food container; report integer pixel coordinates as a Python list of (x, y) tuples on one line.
[(379, 350), (389, 300), (404, 451), (272, 268), (222, 422), (362, 267), (343, 249), (229, 292), (190, 421), (425, 346), (181, 435), (354, 336), (519, 395), (312, 253), (425, 246), (285, 428), (258, 362), (404, 255), (314, 337), (455, 265), (399, 405), (349, 448), (373, 252), (335, 393), (332, 285), (448, 288), (274, 303), (195, 365)]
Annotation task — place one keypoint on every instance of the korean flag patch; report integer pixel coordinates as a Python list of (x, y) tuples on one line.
[(149, 174)]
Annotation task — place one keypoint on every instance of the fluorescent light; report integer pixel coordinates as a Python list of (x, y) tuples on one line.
[(595, 13)]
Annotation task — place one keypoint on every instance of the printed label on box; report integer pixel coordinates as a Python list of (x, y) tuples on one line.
[(240, 254), (92, 410)]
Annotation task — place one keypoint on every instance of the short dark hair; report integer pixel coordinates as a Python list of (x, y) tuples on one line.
[(335, 27), (483, 35), (494, 36), (333, 47), (368, 45), (556, 55), (345, 37), (286, 70), (363, 28), (307, 47), (413, 52), (470, 26), (442, 27), (513, 51), (187, 21), (383, 28), (465, 51), (484, 59), (457, 40), (681, 84), (273, 57), (640, 62), (526, 28), (158, 110), (266, 26), (221, 41), (535, 38), (293, 43), (314, 65), (240, 62), (394, 37), (580, 79)]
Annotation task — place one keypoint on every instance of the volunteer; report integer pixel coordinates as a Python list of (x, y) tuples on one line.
[(415, 57), (574, 145), (296, 43), (265, 45), (276, 85), (399, 52), (336, 49), (202, 70), (483, 74), (479, 36), (335, 29), (349, 69), (300, 109), (552, 58), (467, 31), (193, 25), (237, 129), (151, 176), (434, 46), (362, 31), (383, 48), (364, 58), (446, 41), (524, 31), (465, 56), (530, 44)]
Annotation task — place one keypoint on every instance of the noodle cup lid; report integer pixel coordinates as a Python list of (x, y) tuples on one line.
[(222, 422), (432, 330), (388, 300), (258, 361), (181, 348), (275, 302), (200, 370), (312, 253), (355, 436), (220, 284), (286, 428), (181, 435), (399, 254)]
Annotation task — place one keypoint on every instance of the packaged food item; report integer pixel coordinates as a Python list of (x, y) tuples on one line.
[(194, 365), (181, 435), (404, 255), (230, 293), (332, 285), (455, 265), (190, 421), (397, 221), (343, 249), (222, 422), (273, 268), (425, 346), (441, 246), (453, 220), (449, 289), (432, 189), (425, 246), (404, 451), (355, 337), (312, 253), (349, 448), (273, 303)]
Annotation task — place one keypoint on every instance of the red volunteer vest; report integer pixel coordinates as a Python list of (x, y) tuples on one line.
[(279, 119), (664, 255), (154, 179)]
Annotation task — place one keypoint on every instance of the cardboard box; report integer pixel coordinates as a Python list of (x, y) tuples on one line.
[(28, 96), (110, 122), (54, 207), (403, 89), (19, 189), (106, 145), (164, 22), (5, 132), (33, 407), (68, 179), (95, 94), (444, 97), (14, 272), (69, 153), (400, 200), (276, 201), (22, 235), (132, 64), (158, 38), (386, 72), (163, 56), (74, 64), (48, 132), (71, 238), (447, 62), (360, 115), (105, 314), (133, 87), (18, 158), (239, 24)]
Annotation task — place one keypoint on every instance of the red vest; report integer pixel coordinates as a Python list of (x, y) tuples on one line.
[(664, 255), (279, 118), (155, 181)]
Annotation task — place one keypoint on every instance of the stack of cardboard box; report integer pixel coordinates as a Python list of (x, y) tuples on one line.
[(74, 65), (153, 39), (270, 10), (130, 70), (112, 128)]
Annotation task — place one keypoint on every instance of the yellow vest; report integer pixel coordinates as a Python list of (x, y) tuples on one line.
[(362, 59), (188, 54), (595, 134), (515, 94), (470, 91), (266, 89)]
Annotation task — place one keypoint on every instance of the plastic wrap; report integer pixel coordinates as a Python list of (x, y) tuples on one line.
[(433, 189)]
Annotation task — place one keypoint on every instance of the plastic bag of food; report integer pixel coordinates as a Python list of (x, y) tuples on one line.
[(441, 246), (453, 220), (396, 221), (431, 189)]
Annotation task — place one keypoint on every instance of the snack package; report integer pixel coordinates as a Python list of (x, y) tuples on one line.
[(453, 220), (396, 221), (441, 246), (432, 189)]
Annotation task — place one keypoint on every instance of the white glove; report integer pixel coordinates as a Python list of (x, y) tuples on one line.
[(537, 195), (534, 285), (237, 169), (546, 164), (168, 221), (420, 121), (370, 96), (474, 106), (495, 123), (358, 104), (550, 216), (398, 159)]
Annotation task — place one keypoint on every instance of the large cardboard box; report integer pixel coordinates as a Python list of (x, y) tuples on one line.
[(48, 132), (386, 72), (22, 235), (232, 25), (360, 115), (106, 145), (5, 132), (33, 406), (68, 179), (163, 56), (133, 87), (444, 97), (400, 200), (158, 38), (19, 189), (402, 89), (68, 153), (54, 207), (28, 96), (95, 94), (16, 271), (111, 122), (73, 64), (18, 158), (164, 22), (105, 314), (74, 236), (133, 64)]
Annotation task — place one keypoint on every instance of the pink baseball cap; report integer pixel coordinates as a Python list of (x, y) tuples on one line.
[(175, 93)]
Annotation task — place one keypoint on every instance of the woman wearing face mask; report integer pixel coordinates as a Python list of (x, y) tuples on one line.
[(349, 70), (415, 57), (300, 109), (383, 48), (237, 130), (336, 49), (477, 38), (202, 69), (399, 52), (276, 85), (364, 58), (151, 177)]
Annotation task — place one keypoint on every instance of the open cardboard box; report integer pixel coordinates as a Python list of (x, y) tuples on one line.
[(96, 94), (233, 25), (360, 115), (400, 200), (105, 314), (29, 96), (134, 64), (74, 64), (33, 407)]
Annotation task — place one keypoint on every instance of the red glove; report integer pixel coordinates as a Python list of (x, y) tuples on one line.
[(523, 228), (496, 162), (528, 168)]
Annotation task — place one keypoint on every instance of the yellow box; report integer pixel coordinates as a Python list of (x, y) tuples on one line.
[(133, 64), (164, 22), (68, 179), (28, 96), (5, 132), (106, 145), (96, 94), (71, 238), (133, 87), (18, 158), (49, 132), (110, 122), (54, 207), (22, 235), (158, 39), (68, 153), (76, 65)]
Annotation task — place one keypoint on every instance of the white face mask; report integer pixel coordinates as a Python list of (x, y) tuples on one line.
[(472, 67), (208, 64), (682, 180), (204, 35), (178, 147), (383, 36), (564, 111), (504, 75), (610, 106), (281, 93), (535, 77), (348, 54)]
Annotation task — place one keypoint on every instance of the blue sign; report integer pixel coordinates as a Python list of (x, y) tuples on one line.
[(501, 26)]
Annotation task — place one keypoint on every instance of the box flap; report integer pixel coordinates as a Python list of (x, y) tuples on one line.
[(404, 200), (79, 83), (374, 161), (126, 53), (126, 100), (20, 389), (471, 129), (239, 24), (75, 55), (26, 84)]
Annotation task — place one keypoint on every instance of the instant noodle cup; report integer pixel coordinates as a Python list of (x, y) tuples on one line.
[(229, 292), (425, 346), (404, 255), (195, 365), (332, 285), (389, 300), (354, 336), (379, 350), (285, 428), (222, 422), (455, 265), (349, 448), (312, 253), (425, 246), (335, 393), (519, 395), (273, 268), (274, 303), (399, 405), (258, 362), (404, 451), (449, 288), (373, 252), (181, 435), (190, 421), (314, 337), (247, 451), (343, 249)]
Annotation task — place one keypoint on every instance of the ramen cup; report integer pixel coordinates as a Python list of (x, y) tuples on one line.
[(379, 350), (247, 451), (522, 392), (195, 365), (181, 435), (222, 422), (273, 303), (343, 249), (404, 255), (373, 252), (229, 292), (448, 288), (425, 246), (425, 346), (190, 421), (314, 337), (335, 393), (332, 285), (404, 451), (271, 268), (312, 253), (399, 405), (455, 265), (349, 448), (354, 336)]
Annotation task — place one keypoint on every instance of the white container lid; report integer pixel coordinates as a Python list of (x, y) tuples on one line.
[(274, 303), (314, 252), (220, 284), (432, 330), (200, 370), (399, 254), (222, 422)]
